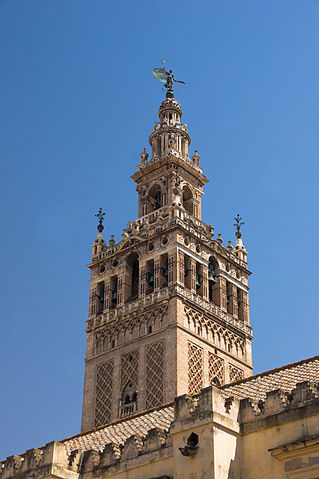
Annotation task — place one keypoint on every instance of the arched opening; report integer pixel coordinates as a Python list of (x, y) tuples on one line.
[(164, 271), (128, 401), (188, 199), (198, 278), (240, 304), (155, 197), (113, 285), (132, 277), (187, 272), (212, 280), (150, 276), (100, 298)]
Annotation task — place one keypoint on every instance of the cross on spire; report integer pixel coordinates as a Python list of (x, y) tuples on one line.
[(100, 215), (238, 223)]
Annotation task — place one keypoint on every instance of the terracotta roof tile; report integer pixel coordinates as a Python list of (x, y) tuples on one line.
[(120, 431), (285, 378), (254, 387)]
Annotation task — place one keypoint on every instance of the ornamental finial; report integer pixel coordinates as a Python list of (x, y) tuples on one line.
[(100, 215), (238, 223)]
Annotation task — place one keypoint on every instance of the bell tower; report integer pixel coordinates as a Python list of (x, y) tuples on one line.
[(169, 309)]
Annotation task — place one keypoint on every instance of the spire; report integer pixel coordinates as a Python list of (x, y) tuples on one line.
[(99, 243)]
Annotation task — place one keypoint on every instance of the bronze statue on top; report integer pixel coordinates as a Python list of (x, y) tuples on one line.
[(166, 77)]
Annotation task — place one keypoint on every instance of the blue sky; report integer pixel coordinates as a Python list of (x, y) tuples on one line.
[(78, 101)]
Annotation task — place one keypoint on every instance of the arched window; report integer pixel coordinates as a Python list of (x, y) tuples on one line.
[(188, 199), (212, 280), (114, 292), (155, 197), (128, 401), (150, 276), (132, 277)]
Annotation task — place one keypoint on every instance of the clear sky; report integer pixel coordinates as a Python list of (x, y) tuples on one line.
[(78, 101)]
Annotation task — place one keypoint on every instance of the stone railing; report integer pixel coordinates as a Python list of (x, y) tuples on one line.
[(127, 409), (127, 309), (149, 218), (165, 216)]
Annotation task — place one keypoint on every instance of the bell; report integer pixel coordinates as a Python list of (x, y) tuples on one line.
[(151, 278), (165, 271), (198, 282), (114, 294), (212, 277)]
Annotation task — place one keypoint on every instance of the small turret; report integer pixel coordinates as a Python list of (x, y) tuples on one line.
[(239, 249), (99, 243), (169, 135)]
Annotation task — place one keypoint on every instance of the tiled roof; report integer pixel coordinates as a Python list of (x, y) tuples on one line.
[(254, 387), (119, 431), (285, 378)]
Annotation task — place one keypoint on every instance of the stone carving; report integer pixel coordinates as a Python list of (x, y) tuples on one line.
[(195, 368), (103, 401), (219, 334), (124, 327), (154, 375), (235, 373), (216, 369), (129, 369)]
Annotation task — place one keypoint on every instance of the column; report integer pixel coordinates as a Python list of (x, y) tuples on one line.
[(142, 281), (181, 268), (157, 270), (244, 308), (93, 302), (232, 299), (120, 290), (107, 290), (204, 284), (193, 275), (170, 269), (219, 293)]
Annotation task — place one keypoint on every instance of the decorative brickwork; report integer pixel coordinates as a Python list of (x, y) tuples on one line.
[(103, 400), (220, 335), (195, 368), (125, 326), (154, 375), (235, 374), (129, 369), (216, 367)]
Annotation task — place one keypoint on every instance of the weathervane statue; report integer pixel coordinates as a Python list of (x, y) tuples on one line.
[(166, 77)]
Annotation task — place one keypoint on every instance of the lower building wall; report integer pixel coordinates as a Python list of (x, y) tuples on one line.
[(152, 470), (259, 462)]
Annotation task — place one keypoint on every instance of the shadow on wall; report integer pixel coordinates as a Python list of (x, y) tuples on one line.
[(235, 466)]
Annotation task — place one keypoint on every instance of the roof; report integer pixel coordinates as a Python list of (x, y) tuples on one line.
[(119, 431), (284, 378), (254, 387)]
